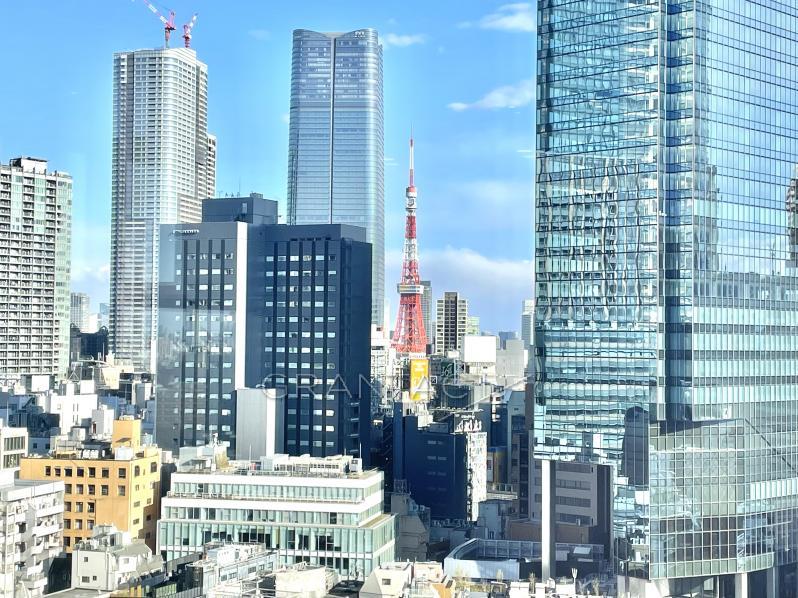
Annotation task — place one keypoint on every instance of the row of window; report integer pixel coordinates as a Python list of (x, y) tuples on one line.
[(105, 472)]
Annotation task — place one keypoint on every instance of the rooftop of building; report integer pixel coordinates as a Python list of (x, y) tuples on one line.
[(34, 166), (12, 489), (221, 555), (304, 466)]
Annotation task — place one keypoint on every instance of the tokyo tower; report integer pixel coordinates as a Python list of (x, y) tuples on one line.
[(409, 334)]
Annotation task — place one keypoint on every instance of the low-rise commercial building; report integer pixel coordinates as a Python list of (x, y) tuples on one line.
[(111, 560), (31, 522), (324, 511), (116, 483)]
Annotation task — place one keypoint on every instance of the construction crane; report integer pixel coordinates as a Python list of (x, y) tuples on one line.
[(168, 24), (187, 30)]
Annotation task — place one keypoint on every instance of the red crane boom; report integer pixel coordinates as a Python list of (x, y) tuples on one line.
[(168, 24), (187, 30)]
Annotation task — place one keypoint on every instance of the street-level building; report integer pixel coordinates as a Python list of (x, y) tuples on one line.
[(324, 511), (115, 483)]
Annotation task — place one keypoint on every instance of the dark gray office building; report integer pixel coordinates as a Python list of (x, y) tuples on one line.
[(245, 302)]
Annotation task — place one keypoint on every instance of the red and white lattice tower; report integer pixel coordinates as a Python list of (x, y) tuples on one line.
[(409, 336)]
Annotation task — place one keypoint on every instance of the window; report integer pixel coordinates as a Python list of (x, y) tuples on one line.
[(48, 471), (122, 473), (121, 490), (68, 472), (104, 490), (92, 472), (106, 473), (81, 472)]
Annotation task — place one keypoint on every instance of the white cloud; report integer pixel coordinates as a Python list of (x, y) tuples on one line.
[(519, 16), (402, 41), (260, 34), (285, 117), (494, 287), (508, 96)]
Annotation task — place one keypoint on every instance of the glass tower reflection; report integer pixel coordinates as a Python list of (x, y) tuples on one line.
[(335, 139), (666, 331)]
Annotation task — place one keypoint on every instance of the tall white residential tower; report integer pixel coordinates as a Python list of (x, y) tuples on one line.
[(163, 166), (35, 232)]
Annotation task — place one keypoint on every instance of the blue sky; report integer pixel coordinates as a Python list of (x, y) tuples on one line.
[(461, 72)]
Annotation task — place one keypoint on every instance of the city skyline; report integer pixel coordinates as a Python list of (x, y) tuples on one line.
[(475, 133)]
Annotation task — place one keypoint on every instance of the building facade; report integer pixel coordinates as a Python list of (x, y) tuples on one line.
[(79, 311), (321, 511), (13, 446), (248, 303), (665, 332), (202, 309), (335, 146), (118, 484), (163, 166), (426, 310), (451, 323), (316, 341), (31, 523), (35, 253), (443, 463)]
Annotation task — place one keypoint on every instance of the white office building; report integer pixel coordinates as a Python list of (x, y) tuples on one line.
[(79, 311), (163, 166), (323, 511), (31, 533), (35, 236)]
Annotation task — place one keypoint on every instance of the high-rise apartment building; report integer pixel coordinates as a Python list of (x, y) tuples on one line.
[(163, 166), (335, 146), (247, 302), (528, 322), (35, 251), (451, 323), (426, 310), (666, 296), (79, 311)]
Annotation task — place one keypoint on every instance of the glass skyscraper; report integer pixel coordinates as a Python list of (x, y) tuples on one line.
[(666, 331), (335, 140)]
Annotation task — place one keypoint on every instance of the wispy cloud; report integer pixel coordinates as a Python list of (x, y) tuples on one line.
[(402, 40), (519, 16), (508, 96), (260, 34), (494, 287), (527, 153)]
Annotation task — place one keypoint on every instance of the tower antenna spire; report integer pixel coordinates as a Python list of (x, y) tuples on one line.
[(410, 338)]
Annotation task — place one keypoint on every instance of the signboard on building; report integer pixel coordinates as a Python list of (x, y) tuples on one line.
[(419, 379)]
